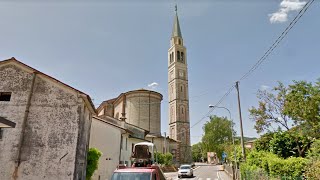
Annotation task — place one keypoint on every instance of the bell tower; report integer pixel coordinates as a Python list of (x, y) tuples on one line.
[(179, 123)]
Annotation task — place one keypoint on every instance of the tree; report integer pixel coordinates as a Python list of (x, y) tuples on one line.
[(294, 109), (92, 161), (217, 133), (283, 145), (263, 143), (270, 110), (197, 152), (303, 105)]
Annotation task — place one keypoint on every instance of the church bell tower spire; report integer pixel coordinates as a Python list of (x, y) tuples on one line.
[(179, 123)]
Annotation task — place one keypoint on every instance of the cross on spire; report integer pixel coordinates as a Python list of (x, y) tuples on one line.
[(176, 32)]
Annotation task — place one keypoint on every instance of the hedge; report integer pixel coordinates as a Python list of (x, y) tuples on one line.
[(268, 164)]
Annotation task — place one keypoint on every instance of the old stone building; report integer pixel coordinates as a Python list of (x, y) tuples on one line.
[(53, 120), (179, 122), (141, 108)]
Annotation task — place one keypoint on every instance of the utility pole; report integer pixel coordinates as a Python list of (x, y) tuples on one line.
[(241, 127), (165, 142)]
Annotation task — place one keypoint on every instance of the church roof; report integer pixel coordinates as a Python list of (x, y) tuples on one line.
[(176, 32)]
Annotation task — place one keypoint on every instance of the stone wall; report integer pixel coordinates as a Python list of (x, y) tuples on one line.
[(143, 109), (56, 125)]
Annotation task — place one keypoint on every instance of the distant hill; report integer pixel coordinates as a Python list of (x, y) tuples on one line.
[(237, 138)]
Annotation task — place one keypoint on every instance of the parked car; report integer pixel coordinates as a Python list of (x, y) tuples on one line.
[(185, 170), (138, 173)]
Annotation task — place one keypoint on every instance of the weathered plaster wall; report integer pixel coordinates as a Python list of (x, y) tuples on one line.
[(83, 140), (12, 79), (106, 138), (143, 110), (51, 131)]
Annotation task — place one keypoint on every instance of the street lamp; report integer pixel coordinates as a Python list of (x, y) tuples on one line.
[(235, 152)]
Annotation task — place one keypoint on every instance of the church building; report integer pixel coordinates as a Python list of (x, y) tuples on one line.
[(179, 122)]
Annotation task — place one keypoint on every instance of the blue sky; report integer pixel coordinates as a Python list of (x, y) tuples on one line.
[(105, 48)]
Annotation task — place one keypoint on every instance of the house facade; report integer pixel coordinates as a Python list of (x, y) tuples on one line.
[(52, 125)]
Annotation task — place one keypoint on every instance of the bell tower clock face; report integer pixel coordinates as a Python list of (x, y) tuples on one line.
[(181, 74)]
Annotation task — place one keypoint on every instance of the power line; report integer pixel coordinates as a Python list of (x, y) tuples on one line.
[(278, 40), (210, 111), (263, 58)]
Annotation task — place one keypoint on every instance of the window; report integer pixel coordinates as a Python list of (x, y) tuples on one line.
[(5, 96), (172, 114), (171, 58), (121, 141), (178, 55), (182, 57), (1, 133), (181, 89)]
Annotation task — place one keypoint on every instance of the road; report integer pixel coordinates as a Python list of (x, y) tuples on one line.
[(203, 172)]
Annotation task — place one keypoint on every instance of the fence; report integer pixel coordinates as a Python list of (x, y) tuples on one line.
[(230, 170)]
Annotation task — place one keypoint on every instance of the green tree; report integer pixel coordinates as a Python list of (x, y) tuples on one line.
[(314, 151), (263, 143), (217, 133), (303, 105), (283, 145), (269, 112), (92, 161), (197, 152), (294, 109)]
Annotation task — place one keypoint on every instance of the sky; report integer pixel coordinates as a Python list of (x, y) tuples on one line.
[(105, 48)]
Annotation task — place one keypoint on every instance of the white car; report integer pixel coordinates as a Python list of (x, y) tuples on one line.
[(185, 170)]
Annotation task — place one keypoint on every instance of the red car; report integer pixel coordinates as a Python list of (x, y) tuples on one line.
[(138, 173)]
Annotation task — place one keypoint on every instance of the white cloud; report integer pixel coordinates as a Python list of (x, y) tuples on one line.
[(286, 6), (153, 85), (264, 87)]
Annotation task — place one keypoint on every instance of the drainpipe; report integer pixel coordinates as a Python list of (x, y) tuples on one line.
[(120, 147), (23, 126), (149, 111)]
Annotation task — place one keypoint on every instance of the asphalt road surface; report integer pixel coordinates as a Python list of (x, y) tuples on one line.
[(201, 172)]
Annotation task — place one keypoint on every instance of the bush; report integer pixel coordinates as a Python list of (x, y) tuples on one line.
[(168, 159), (313, 170), (165, 159), (92, 161), (283, 145), (263, 143), (314, 151), (291, 167), (262, 163), (313, 167)]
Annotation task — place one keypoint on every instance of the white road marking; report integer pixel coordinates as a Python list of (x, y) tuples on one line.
[(218, 174)]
